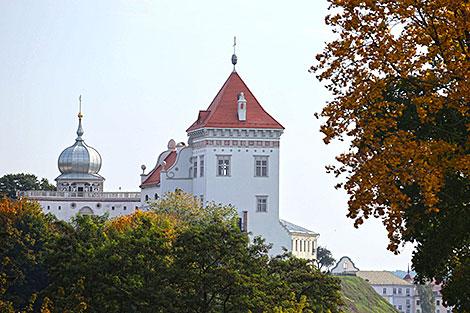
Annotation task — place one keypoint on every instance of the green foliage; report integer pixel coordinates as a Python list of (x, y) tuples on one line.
[(358, 296), (24, 233), (178, 258), (10, 184), (324, 258)]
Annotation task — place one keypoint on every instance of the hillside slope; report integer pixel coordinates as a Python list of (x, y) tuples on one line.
[(359, 297)]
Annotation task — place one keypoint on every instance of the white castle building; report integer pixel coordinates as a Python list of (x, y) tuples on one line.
[(232, 157)]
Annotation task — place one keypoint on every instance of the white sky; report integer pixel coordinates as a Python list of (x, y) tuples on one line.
[(145, 69)]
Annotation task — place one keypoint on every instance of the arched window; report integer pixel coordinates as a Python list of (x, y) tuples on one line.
[(146, 197), (86, 211)]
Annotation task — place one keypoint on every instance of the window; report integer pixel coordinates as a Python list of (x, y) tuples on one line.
[(125, 208), (60, 207), (399, 291), (112, 208), (195, 167), (438, 302), (384, 291), (407, 291), (146, 197), (262, 206), (48, 207), (156, 196), (394, 291), (223, 165), (400, 307), (418, 302), (261, 166), (201, 166), (202, 199)]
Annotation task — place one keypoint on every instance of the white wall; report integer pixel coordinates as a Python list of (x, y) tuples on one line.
[(63, 209)]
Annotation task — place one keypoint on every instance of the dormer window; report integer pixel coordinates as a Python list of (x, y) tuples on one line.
[(241, 103)]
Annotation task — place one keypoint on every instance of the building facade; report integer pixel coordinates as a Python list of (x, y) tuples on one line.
[(232, 157)]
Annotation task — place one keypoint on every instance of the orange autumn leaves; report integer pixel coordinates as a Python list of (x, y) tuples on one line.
[(399, 72)]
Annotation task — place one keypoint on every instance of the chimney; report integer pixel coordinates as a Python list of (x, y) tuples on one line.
[(241, 107)]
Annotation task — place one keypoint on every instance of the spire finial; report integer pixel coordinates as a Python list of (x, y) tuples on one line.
[(80, 115), (234, 56)]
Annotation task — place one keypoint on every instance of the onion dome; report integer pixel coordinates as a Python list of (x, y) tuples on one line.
[(79, 160)]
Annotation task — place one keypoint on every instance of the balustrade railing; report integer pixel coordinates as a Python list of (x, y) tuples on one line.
[(79, 194)]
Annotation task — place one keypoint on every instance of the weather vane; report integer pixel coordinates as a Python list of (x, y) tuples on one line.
[(234, 56)]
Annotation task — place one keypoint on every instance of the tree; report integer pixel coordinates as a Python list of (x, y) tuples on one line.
[(426, 298), (156, 261), (10, 184), (398, 71), (24, 232), (324, 258)]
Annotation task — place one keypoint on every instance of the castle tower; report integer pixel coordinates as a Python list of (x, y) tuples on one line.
[(232, 157)]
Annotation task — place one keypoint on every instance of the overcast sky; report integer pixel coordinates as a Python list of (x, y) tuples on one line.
[(144, 70)]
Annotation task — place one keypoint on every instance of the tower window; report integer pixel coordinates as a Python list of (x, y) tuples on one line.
[(262, 205), (223, 165), (201, 166), (261, 166), (195, 167)]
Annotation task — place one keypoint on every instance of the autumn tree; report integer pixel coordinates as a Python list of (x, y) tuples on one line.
[(24, 232), (10, 184), (399, 72)]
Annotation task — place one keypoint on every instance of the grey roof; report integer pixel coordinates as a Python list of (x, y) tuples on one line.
[(381, 278), (79, 158), (80, 176), (292, 228)]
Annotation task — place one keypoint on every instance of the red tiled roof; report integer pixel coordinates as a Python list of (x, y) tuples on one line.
[(223, 110), (154, 176)]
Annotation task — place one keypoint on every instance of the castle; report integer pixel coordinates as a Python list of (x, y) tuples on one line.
[(231, 157)]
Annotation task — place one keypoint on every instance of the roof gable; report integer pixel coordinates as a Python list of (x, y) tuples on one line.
[(154, 176), (222, 112)]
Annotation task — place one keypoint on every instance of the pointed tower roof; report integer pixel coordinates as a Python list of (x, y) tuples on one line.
[(222, 112)]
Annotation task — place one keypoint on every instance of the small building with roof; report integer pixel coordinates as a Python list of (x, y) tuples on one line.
[(345, 266), (80, 186)]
